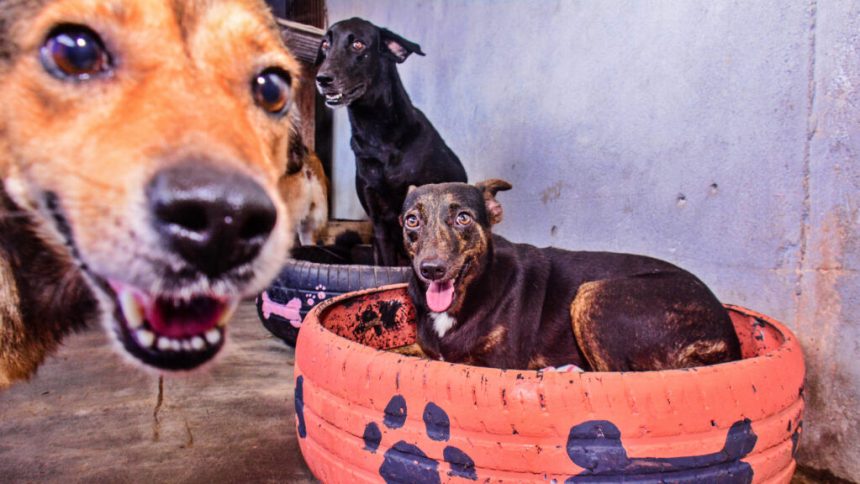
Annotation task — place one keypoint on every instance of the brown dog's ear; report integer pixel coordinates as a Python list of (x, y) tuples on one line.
[(411, 189), (400, 220), (489, 188), (396, 46)]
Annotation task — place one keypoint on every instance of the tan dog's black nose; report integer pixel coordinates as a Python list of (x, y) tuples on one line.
[(433, 269), (215, 219)]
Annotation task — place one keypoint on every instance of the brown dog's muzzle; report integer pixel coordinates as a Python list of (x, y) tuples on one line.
[(433, 269)]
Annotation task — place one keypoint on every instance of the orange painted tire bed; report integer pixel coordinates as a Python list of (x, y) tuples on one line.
[(365, 415)]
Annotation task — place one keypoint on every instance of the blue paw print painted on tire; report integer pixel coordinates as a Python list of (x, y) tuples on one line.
[(596, 446), (299, 403), (404, 462)]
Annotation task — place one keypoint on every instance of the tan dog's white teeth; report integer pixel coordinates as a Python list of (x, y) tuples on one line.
[(228, 313), (213, 336), (196, 343), (130, 309), (144, 337)]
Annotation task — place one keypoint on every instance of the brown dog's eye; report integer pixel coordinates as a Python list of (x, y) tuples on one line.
[(358, 45), (74, 52), (411, 221), (271, 90), (464, 218)]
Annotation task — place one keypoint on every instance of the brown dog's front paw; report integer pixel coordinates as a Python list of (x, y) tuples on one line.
[(409, 350)]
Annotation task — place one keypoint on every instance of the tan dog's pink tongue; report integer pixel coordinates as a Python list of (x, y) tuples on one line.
[(440, 295)]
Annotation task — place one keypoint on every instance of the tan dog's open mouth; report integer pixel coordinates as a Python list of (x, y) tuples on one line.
[(169, 333)]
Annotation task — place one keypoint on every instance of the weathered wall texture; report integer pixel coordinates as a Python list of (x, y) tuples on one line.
[(721, 136), (828, 287)]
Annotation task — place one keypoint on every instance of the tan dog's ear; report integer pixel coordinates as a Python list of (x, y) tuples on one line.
[(296, 151), (411, 189), (489, 188)]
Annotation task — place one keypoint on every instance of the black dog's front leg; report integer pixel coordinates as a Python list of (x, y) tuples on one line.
[(385, 248)]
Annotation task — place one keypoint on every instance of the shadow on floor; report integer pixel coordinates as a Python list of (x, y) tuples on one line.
[(89, 416)]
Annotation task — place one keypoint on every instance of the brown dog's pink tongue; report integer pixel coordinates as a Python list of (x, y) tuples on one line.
[(440, 295)]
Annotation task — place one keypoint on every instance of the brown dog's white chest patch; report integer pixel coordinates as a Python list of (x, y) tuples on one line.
[(442, 322)]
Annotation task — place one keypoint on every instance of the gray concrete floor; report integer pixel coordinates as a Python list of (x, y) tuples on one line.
[(90, 417)]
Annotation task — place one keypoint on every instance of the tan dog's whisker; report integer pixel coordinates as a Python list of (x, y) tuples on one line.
[(15, 216), (94, 183)]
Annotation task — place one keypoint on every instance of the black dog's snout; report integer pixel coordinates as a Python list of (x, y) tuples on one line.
[(433, 270), (215, 219), (324, 80)]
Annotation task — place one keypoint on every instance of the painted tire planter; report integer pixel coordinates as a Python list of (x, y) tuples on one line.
[(303, 284), (365, 415)]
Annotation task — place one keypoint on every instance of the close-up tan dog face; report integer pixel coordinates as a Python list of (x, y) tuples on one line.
[(141, 141)]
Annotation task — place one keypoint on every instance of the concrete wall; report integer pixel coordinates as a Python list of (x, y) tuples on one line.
[(718, 135)]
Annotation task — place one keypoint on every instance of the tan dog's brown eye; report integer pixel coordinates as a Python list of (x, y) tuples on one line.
[(411, 221), (76, 52), (358, 45), (464, 218), (271, 90)]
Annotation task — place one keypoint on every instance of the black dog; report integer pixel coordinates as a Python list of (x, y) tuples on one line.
[(485, 301), (395, 145)]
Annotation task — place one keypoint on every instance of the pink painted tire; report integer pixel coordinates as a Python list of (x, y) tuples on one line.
[(302, 284), (365, 415)]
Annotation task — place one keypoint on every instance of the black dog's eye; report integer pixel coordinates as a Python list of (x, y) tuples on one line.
[(464, 218), (411, 221), (325, 45), (271, 90), (76, 52), (358, 46)]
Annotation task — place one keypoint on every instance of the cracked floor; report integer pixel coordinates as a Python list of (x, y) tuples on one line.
[(90, 417)]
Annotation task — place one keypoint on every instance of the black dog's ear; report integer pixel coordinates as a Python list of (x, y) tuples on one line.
[(489, 188), (320, 54), (396, 46)]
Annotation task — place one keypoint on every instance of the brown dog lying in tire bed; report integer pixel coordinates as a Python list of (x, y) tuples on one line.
[(483, 300)]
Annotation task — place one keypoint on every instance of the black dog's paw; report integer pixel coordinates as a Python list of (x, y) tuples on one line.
[(405, 462)]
